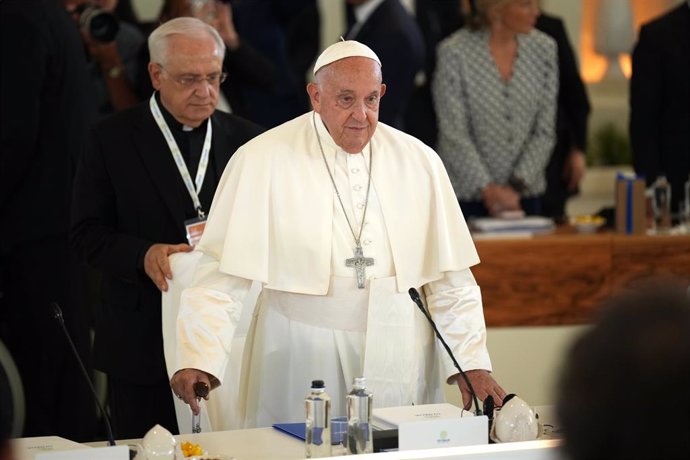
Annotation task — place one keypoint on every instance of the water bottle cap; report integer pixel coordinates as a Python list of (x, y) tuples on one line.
[(360, 383), (317, 384)]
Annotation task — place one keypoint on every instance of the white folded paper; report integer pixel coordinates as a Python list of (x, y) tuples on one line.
[(97, 453)]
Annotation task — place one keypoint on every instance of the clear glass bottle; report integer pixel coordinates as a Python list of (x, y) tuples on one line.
[(317, 405), (359, 405), (662, 204), (684, 206)]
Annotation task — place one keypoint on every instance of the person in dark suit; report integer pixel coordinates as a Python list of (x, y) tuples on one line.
[(395, 37), (150, 172), (268, 27), (568, 160), (42, 126), (660, 101)]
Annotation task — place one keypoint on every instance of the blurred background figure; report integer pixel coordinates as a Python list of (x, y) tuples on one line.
[(392, 33), (125, 12), (112, 46), (437, 19), (568, 161), (6, 448), (11, 403), (660, 101), (623, 389), (495, 93), (286, 33), (6, 451), (43, 121)]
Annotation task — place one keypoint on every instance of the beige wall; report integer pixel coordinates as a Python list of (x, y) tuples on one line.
[(147, 10), (527, 360)]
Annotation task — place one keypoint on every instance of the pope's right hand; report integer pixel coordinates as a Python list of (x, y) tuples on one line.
[(182, 384)]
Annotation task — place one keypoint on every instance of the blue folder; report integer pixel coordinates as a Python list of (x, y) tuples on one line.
[(293, 429)]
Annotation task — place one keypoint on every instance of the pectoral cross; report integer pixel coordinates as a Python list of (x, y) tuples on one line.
[(359, 262)]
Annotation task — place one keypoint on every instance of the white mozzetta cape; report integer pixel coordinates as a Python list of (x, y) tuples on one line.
[(272, 216)]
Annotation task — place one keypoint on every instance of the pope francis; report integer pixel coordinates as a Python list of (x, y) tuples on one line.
[(337, 216)]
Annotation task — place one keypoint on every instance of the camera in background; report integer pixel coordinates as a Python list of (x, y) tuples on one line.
[(100, 24)]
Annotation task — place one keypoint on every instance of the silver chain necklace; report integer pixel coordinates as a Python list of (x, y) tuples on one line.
[(358, 262)]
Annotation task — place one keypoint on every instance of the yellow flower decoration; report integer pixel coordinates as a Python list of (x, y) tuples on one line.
[(190, 449)]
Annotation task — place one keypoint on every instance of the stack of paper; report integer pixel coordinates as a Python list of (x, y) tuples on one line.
[(387, 418), (532, 224)]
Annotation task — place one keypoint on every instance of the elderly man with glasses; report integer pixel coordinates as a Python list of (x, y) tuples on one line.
[(141, 194)]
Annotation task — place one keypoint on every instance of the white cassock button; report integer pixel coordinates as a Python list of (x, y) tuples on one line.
[(354, 170), (367, 242), (357, 188), (360, 205)]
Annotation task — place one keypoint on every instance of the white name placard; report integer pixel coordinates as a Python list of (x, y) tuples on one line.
[(445, 432)]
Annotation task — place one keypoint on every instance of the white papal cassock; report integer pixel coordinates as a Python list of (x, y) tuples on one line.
[(276, 219)]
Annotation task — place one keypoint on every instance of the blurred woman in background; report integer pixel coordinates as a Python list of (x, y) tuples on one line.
[(495, 94)]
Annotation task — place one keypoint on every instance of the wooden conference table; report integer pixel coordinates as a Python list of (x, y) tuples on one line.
[(559, 278)]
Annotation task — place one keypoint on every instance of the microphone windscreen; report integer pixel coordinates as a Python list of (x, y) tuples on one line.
[(414, 295), (56, 311)]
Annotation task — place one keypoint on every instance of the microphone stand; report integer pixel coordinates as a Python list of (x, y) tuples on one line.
[(57, 315), (418, 301)]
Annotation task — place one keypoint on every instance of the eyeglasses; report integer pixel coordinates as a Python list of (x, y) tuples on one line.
[(192, 81)]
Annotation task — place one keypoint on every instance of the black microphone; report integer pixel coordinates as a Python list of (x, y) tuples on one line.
[(418, 301), (57, 314)]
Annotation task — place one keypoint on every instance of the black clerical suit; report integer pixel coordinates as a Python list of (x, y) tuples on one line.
[(43, 120), (571, 118), (129, 195), (393, 34), (660, 100)]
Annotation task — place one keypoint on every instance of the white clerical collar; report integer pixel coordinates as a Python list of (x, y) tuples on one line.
[(363, 11)]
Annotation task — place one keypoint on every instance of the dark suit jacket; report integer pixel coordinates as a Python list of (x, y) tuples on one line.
[(43, 115), (660, 100), (395, 37), (43, 121), (571, 118), (129, 195), (266, 26)]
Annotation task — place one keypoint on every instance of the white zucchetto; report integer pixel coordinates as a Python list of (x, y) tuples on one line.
[(344, 49)]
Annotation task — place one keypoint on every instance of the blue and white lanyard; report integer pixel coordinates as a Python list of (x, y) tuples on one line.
[(177, 156)]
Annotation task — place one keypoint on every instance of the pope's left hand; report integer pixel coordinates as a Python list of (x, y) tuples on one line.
[(484, 385)]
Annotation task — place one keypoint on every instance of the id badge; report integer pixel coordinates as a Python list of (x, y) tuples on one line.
[(195, 228)]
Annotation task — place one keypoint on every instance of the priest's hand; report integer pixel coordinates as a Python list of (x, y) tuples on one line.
[(182, 384), (483, 384), (157, 265)]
